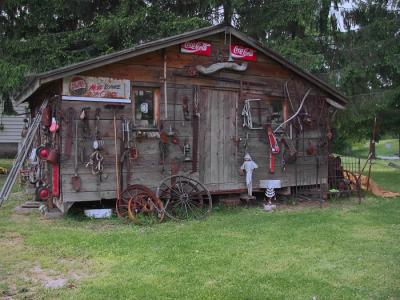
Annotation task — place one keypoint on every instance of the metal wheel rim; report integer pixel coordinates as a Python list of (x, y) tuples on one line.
[(139, 196), (145, 211), (184, 198)]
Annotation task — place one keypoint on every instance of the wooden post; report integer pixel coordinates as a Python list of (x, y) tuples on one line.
[(165, 87), (117, 182), (372, 150)]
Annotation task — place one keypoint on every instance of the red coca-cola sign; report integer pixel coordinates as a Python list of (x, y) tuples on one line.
[(197, 48), (243, 52)]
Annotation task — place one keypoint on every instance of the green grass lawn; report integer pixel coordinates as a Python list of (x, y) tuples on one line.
[(387, 177), (343, 251), (346, 251), (386, 147)]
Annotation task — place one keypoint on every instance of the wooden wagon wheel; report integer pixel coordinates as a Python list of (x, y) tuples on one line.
[(184, 198), (140, 204)]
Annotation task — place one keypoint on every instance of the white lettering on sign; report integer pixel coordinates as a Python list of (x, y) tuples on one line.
[(96, 87), (242, 52), (196, 47)]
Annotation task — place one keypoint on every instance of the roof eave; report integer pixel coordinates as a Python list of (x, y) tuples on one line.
[(280, 59), (100, 61), (31, 87)]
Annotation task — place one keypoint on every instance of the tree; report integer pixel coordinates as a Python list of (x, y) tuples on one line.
[(361, 60), (368, 70), (40, 35)]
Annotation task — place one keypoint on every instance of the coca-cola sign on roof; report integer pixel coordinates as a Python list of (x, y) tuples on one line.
[(196, 47), (243, 52)]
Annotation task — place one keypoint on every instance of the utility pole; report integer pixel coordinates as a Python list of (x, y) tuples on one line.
[(372, 150)]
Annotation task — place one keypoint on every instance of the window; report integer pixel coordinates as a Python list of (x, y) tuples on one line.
[(258, 113), (277, 113), (146, 107)]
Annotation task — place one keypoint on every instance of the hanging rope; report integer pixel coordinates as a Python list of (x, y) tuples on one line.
[(96, 163)]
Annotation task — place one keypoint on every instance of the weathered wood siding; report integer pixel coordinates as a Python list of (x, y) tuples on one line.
[(221, 134)]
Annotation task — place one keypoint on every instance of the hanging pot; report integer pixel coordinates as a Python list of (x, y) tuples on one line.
[(53, 156), (43, 152), (42, 193)]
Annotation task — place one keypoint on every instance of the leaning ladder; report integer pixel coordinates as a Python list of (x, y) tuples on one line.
[(21, 156)]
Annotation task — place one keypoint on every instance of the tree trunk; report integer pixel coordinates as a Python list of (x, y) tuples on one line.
[(372, 149)]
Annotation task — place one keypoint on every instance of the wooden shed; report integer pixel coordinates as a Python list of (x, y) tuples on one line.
[(190, 104)]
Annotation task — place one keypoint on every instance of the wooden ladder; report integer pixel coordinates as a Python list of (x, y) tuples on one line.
[(21, 156)]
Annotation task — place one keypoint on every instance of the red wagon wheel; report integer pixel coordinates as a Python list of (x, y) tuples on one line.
[(140, 204)]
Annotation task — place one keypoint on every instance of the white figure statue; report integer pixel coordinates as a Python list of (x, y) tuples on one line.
[(249, 165)]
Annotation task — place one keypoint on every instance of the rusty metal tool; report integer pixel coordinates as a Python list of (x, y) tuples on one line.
[(114, 107), (76, 179)]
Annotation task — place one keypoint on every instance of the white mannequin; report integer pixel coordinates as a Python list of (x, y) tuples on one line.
[(249, 165)]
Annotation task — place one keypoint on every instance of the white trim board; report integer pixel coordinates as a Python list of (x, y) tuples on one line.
[(91, 99)]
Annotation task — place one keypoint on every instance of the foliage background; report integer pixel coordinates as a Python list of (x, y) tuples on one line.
[(354, 45)]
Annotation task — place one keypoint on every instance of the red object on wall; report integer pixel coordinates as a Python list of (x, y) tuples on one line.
[(243, 52), (43, 193), (196, 47), (271, 163), (56, 180), (274, 149), (43, 152)]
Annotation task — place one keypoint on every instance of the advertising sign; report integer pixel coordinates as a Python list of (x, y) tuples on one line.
[(100, 89), (243, 52), (197, 48)]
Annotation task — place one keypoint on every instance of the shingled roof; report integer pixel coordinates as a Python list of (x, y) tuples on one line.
[(40, 79)]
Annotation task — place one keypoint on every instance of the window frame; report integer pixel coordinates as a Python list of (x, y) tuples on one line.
[(156, 106)]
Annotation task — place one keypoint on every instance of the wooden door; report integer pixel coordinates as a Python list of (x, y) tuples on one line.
[(218, 117)]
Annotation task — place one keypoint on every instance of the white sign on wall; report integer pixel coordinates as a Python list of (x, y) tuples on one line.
[(99, 89)]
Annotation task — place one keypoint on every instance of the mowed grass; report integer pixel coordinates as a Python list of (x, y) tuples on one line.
[(385, 176), (385, 147), (344, 251)]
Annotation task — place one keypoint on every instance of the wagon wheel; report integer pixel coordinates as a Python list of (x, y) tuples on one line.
[(140, 204), (184, 198), (145, 209)]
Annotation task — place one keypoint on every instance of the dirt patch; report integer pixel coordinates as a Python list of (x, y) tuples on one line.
[(11, 239), (50, 279), (301, 205), (33, 281)]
